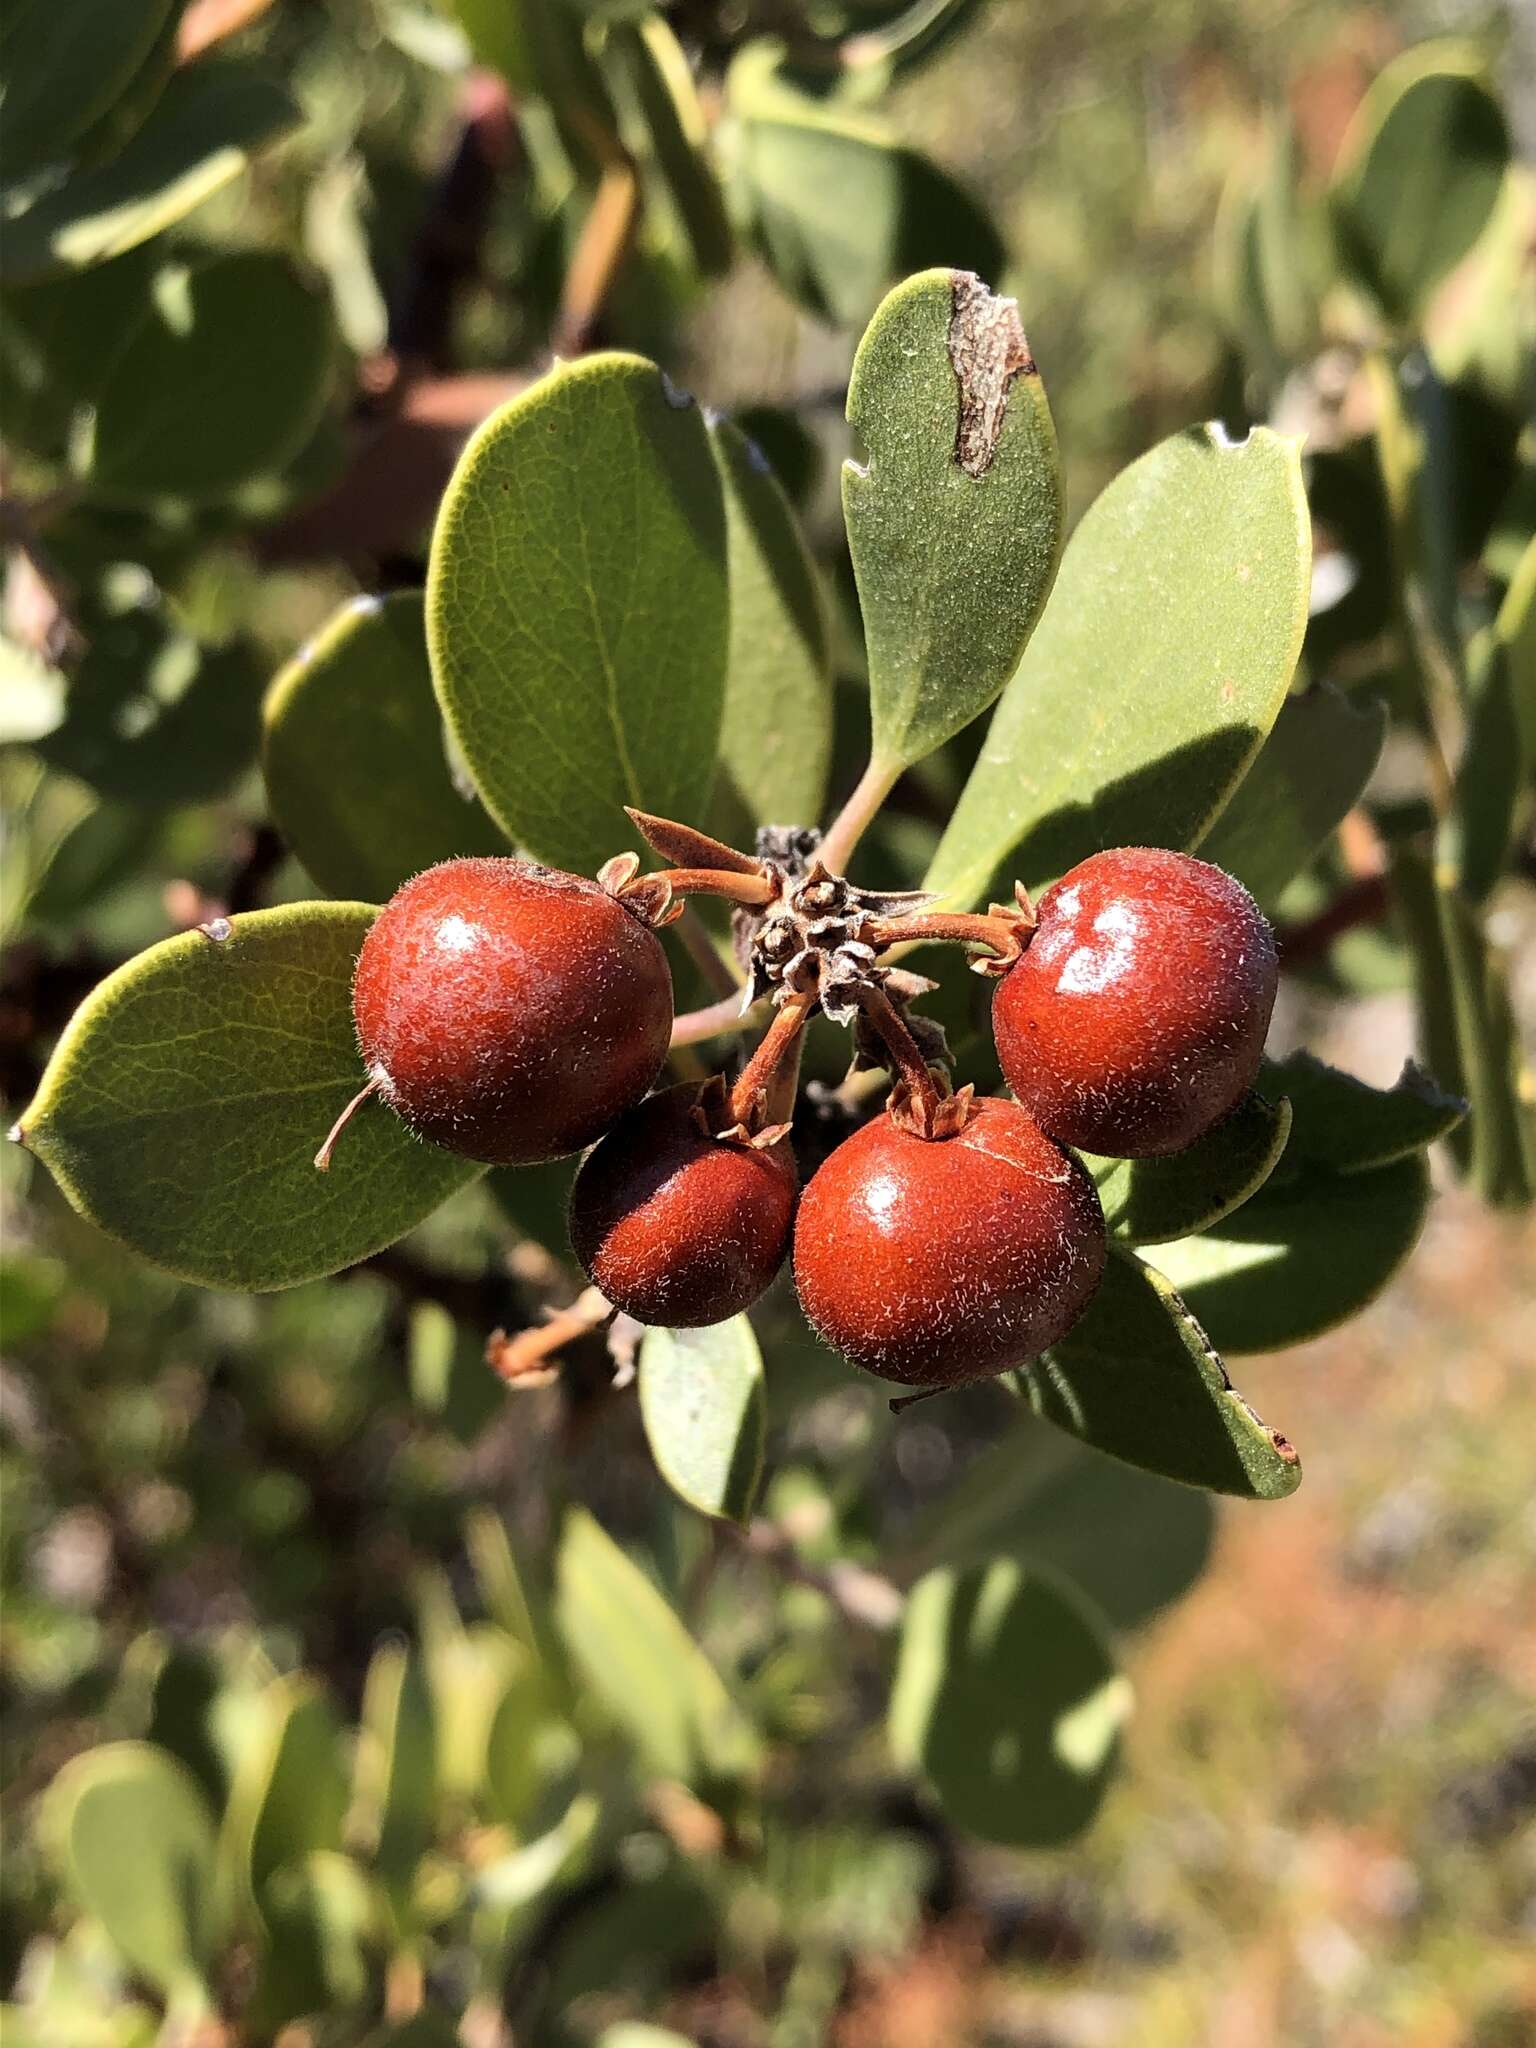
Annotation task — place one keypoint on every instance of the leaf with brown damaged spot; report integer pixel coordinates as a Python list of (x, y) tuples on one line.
[(954, 520)]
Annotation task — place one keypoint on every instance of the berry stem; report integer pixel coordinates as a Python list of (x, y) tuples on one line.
[(907, 1062), (323, 1156), (523, 1358), (848, 827), (756, 889), (963, 928), (778, 1043)]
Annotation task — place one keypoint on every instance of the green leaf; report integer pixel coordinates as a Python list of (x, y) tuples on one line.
[(1161, 663), (289, 1792), (954, 521), (1007, 1700), (395, 1798), (577, 608), (776, 733), (1467, 1030), (1136, 1376), (839, 209), (470, 1673), (642, 1664), (320, 1922), (1309, 772), (222, 380), (1418, 174), (154, 719), (701, 1400), (1131, 1542), (51, 357), (133, 1843), (674, 135), (1310, 1250), (1149, 1201), (62, 64), (1348, 1126), (1486, 802), (182, 1107), (353, 754), (210, 121)]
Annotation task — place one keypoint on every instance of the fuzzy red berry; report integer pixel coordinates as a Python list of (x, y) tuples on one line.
[(937, 1261), (510, 1012), (675, 1226), (1136, 1018)]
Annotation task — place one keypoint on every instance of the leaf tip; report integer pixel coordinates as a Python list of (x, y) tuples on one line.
[(17, 1135)]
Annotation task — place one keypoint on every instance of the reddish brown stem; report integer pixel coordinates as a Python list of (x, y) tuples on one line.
[(1364, 902), (907, 1062), (323, 1156), (779, 1042), (755, 889), (523, 1358), (963, 928), (692, 1026)]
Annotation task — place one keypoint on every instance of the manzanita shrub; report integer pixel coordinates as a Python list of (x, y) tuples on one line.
[(617, 952)]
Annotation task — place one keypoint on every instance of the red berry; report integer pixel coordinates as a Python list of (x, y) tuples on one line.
[(936, 1261), (677, 1227), (1136, 1018), (510, 1012)]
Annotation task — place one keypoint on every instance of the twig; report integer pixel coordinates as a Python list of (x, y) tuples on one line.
[(1363, 902), (712, 1022), (852, 821), (863, 1597), (523, 1359)]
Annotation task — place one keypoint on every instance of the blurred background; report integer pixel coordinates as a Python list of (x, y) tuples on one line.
[(1323, 1832)]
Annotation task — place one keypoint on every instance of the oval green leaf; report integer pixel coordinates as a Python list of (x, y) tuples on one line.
[(154, 719), (1310, 1250), (1309, 772), (1136, 1376), (222, 380), (577, 608), (210, 121), (1348, 1126), (641, 1663), (674, 135), (1419, 174), (776, 734), (354, 759), (1007, 1700), (1161, 663), (62, 64), (183, 1106), (701, 1399), (954, 520), (395, 1777), (1149, 1201), (289, 1791), (801, 176), (1131, 1542), (133, 1842)]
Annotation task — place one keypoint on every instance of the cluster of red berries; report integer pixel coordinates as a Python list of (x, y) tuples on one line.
[(516, 1014)]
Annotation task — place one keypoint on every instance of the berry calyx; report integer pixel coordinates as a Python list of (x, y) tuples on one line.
[(1136, 1018), (678, 1226), (932, 1262), (509, 1012)]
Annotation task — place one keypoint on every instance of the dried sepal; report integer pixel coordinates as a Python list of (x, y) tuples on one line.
[(933, 1117), (685, 847), (1018, 922)]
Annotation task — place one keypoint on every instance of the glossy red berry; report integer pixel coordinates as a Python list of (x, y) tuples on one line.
[(937, 1261), (675, 1226), (1136, 1018), (510, 1012)]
